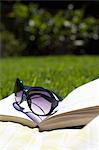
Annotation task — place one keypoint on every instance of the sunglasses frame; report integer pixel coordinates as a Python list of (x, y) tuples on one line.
[(26, 95)]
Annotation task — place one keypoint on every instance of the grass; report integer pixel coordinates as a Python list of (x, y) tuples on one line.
[(59, 73)]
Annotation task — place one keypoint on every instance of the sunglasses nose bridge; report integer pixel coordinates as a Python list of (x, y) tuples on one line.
[(24, 95)]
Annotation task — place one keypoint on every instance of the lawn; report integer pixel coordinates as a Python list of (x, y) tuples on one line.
[(59, 73)]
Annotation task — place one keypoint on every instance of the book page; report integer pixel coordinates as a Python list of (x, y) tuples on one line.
[(9, 113), (84, 96), (88, 137), (24, 138)]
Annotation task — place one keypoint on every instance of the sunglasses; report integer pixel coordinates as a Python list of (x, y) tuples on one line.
[(41, 101)]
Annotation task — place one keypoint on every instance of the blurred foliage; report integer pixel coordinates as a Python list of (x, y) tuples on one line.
[(10, 46), (20, 10), (43, 32)]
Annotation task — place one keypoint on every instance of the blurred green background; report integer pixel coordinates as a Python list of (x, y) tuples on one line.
[(49, 27)]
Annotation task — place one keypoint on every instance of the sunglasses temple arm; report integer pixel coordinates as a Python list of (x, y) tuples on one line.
[(55, 95)]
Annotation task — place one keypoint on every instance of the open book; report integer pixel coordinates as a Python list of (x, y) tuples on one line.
[(77, 109)]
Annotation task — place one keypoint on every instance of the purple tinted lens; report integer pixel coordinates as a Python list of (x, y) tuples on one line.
[(18, 96), (40, 105), (42, 92)]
